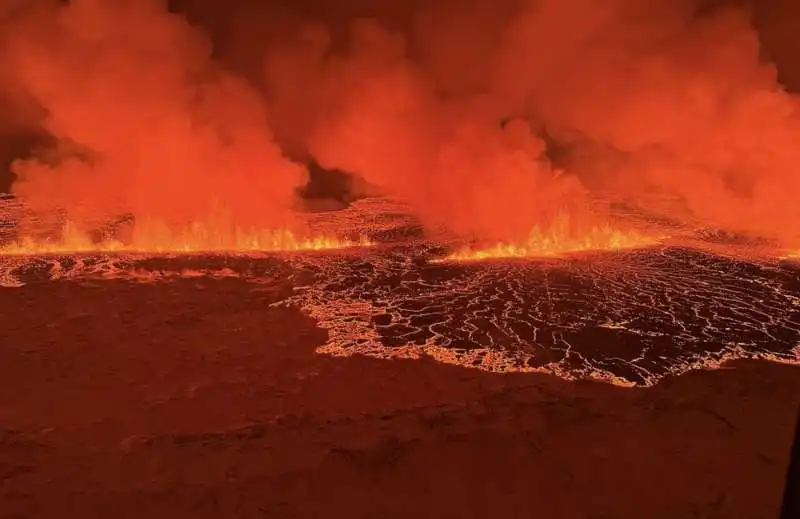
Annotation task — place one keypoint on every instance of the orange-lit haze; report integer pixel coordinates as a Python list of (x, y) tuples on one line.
[(147, 123), (641, 97), (491, 117)]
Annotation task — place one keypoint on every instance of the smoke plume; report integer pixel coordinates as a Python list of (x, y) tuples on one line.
[(146, 122), (459, 110), (489, 117)]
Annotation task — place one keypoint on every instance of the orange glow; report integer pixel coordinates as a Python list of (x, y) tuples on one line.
[(153, 237), (497, 119), (558, 242)]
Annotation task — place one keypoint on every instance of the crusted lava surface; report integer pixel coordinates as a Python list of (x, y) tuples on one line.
[(334, 383), (627, 317)]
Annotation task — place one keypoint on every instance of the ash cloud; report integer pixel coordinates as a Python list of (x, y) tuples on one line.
[(648, 97), (456, 106), (145, 121)]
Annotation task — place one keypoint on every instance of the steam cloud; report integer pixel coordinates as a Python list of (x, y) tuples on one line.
[(147, 123), (456, 106)]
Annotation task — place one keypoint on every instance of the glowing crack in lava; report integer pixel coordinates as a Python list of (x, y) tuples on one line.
[(154, 237), (558, 242)]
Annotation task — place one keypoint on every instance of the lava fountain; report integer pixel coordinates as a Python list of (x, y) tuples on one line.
[(557, 240), (199, 237)]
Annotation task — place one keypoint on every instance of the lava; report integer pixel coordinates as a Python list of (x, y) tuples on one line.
[(558, 241), (154, 237), (792, 255), (627, 319)]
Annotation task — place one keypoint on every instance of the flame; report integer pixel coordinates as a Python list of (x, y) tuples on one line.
[(155, 237), (558, 241)]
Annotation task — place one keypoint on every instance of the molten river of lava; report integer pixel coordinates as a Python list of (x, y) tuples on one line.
[(153, 237)]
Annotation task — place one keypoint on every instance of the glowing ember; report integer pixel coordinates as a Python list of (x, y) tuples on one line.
[(558, 242), (158, 238)]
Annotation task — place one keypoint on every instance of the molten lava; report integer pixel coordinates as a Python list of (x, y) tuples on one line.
[(792, 255), (558, 242), (153, 237)]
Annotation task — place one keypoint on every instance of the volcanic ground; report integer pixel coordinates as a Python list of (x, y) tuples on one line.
[(388, 382), (627, 317)]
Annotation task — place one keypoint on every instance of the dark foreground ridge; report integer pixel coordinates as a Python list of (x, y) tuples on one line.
[(200, 397)]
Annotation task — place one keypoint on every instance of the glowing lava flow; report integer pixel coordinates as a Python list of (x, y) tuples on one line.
[(557, 243), (152, 237)]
